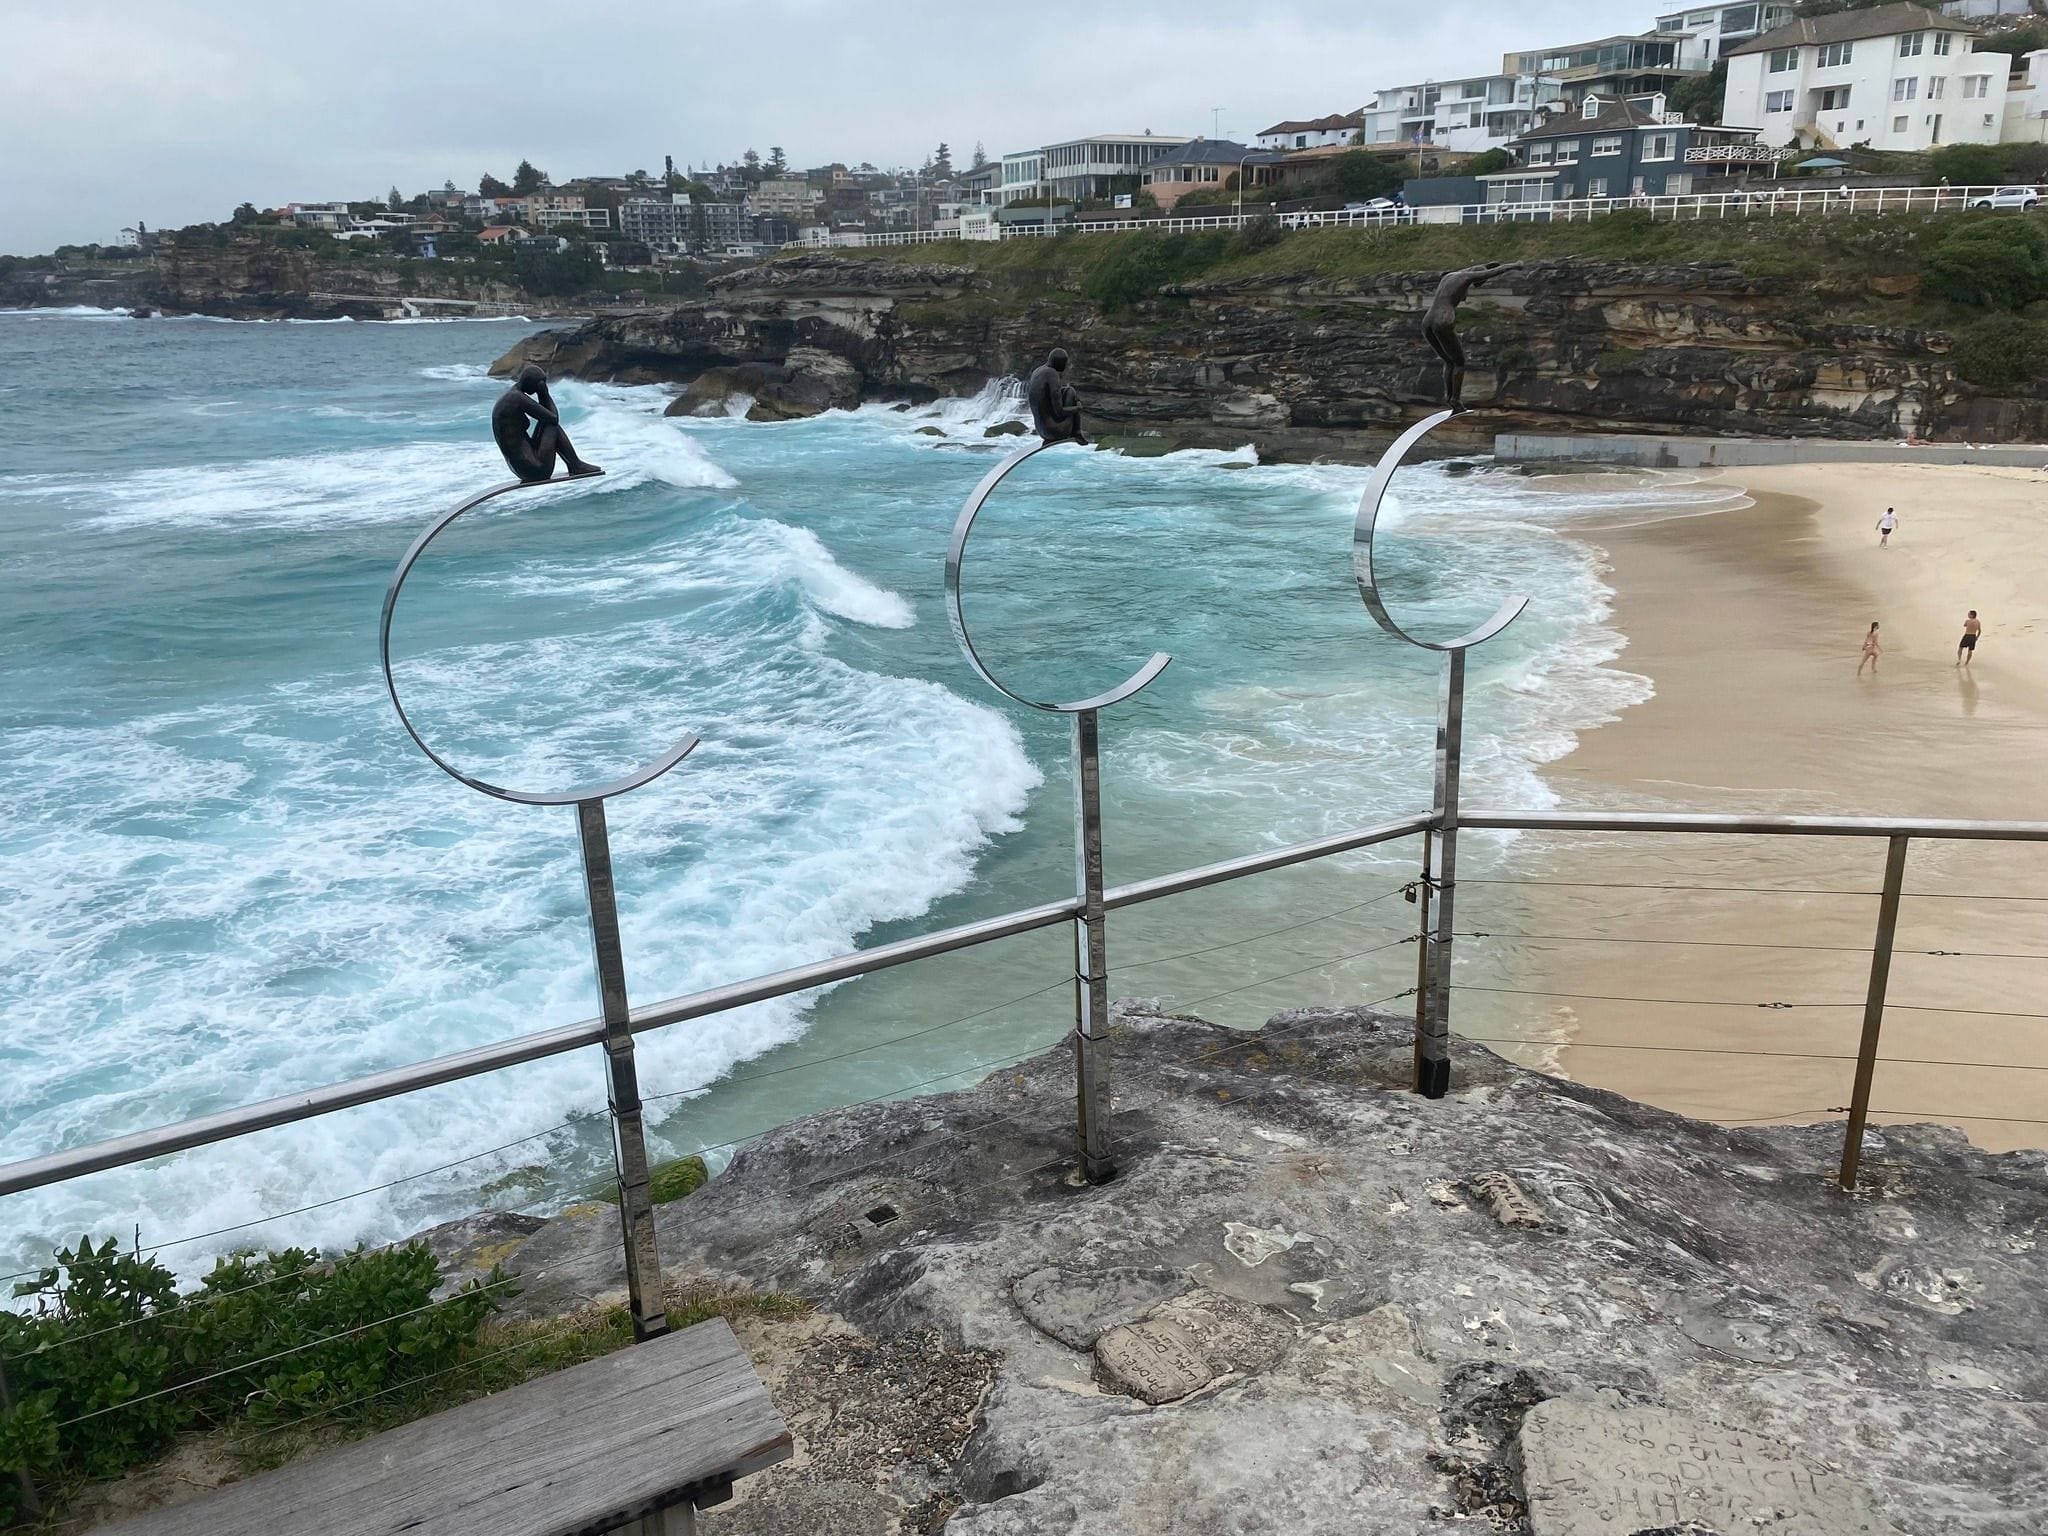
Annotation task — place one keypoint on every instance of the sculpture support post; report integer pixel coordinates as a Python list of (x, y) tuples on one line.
[(1440, 876), (629, 1137), (1091, 959), (1440, 851), (1873, 1008)]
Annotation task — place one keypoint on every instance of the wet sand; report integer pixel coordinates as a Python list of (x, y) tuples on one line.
[(1750, 622)]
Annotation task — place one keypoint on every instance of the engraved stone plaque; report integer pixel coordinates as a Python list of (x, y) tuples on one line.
[(1155, 1360), (1591, 1469)]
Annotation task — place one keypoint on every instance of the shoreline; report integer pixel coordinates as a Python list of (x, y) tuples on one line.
[(1749, 624)]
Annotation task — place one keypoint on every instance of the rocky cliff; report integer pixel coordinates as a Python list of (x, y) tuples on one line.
[(1313, 1303), (1308, 363), (253, 279)]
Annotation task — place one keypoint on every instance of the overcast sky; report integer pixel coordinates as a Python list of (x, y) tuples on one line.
[(174, 111)]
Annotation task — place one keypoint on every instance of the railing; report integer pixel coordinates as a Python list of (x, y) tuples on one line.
[(1773, 201)]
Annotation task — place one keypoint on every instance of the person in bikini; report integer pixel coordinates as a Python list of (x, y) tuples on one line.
[(1869, 651), (1966, 648)]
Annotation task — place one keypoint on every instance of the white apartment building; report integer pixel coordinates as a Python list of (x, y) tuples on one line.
[(2026, 100), (789, 197), (1105, 163), (1896, 77), (1714, 29), (547, 209), (1314, 132), (1023, 175), (1468, 116)]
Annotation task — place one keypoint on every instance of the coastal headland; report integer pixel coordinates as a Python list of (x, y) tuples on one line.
[(1304, 344)]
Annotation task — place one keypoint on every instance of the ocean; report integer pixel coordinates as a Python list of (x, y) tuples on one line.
[(226, 874)]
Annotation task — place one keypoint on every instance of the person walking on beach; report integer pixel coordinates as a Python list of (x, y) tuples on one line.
[(1885, 525), (1869, 651), (1966, 648)]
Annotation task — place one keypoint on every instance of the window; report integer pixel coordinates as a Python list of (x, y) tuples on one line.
[(1781, 59), (1678, 184), (1739, 18), (1976, 87), (1942, 41), (1778, 101), (1610, 144), (1934, 87), (1597, 187), (1567, 151), (1636, 186), (1832, 54), (1834, 99), (1907, 89), (1911, 43), (1899, 124), (1539, 154), (1301, 141), (1659, 146)]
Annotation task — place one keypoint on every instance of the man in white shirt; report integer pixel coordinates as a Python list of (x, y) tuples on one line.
[(1885, 525)]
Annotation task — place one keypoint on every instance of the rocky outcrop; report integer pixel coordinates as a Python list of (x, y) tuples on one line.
[(1332, 365), (1317, 1304), (249, 278)]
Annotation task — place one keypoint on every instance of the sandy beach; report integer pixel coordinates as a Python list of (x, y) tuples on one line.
[(1749, 623)]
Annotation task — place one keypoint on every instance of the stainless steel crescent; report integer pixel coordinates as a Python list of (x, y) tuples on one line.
[(956, 553), (1361, 550), (604, 791)]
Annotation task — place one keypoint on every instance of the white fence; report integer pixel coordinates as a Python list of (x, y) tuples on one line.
[(1756, 203)]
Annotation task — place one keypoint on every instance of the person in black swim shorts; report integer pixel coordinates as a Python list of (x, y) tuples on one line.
[(1966, 648)]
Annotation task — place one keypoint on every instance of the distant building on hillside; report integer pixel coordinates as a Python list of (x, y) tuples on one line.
[(1105, 163), (329, 216), (499, 234), (547, 209), (1023, 175), (1893, 77), (1468, 116), (1609, 148), (1714, 29), (1630, 64), (1201, 165), (1314, 132), (789, 197)]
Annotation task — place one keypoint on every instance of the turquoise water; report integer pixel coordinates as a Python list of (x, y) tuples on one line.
[(226, 874)]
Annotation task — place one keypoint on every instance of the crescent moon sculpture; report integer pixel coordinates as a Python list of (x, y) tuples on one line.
[(956, 555), (1361, 550), (1091, 914), (589, 792), (1440, 845)]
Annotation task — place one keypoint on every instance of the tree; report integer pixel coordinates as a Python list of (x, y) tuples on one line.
[(488, 185), (247, 213), (1967, 165), (1360, 174), (394, 199), (1486, 164), (528, 179), (942, 162), (1699, 97), (980, 155), (1995, 263), (751, 161), (778, 162)]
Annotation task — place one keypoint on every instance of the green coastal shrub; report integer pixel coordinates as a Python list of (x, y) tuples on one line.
[(1990, 263), (2001, 351), (1967, 165), (112, 1361), (1136, 266)]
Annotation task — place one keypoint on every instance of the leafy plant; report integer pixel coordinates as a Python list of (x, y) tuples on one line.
[(1967, 165), (112, 1361), (2001, 351), (1138, 265), (1994, 263)]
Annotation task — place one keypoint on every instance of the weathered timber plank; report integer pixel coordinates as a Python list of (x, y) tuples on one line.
[(578, 1452)]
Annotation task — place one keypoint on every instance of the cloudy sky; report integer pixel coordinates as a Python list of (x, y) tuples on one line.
[(174, 111)]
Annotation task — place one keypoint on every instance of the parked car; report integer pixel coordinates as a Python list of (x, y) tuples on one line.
[(2007, 197)]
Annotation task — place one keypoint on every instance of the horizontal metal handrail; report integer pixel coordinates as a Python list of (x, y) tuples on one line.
[(1764, 826), (141, 1146)]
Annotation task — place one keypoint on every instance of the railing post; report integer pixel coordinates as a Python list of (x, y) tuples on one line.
[(30, 1504), (1091, 959), (1433, 1018), (1873, 1007), (629, 1135)]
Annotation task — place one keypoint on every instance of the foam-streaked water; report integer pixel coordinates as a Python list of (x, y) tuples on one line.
[(225, 874)]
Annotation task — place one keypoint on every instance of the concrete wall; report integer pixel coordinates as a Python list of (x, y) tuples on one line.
[(1703, 452)]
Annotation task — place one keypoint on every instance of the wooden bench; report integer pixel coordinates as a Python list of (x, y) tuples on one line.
[(636, 1441)]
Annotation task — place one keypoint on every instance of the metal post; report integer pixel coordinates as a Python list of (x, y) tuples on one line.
[(30, 1504), (1423, 904), (1433, 1037), (629, 1137), (1091, 959), (1873, 1007)]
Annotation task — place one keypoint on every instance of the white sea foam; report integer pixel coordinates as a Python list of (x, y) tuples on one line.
[(71, 312), (964, 417)]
